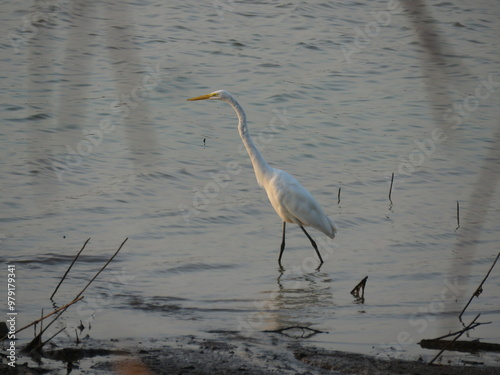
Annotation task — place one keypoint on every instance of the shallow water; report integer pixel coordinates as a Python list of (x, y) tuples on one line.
[(99, 141)]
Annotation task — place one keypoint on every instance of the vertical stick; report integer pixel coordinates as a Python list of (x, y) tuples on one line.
[(339, 196), (41, 322), (390, 189), (458, 215)]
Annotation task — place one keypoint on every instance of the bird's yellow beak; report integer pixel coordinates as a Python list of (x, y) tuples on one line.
[(203, 97)]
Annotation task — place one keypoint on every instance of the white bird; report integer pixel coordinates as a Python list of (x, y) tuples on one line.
[(291, 201)]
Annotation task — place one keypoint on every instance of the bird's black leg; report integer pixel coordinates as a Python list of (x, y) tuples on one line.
[(282, 244), (313, 243)]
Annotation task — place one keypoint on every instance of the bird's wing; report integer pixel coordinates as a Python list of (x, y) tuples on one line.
[(299, 205)]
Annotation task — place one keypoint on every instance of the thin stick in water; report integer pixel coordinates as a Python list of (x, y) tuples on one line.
[(102, 269), (479, 289), (51, 337), (457, 332), (339, 196), (390, 189), (46, 316), (71, 265), (41, 321), (79, 294), (455, 339), (361, 286), (458, 215)]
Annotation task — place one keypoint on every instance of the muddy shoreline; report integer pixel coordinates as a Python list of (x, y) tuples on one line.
[(229, 354), (214, 359)]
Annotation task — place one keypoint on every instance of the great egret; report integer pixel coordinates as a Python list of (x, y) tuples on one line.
[(291, 201)]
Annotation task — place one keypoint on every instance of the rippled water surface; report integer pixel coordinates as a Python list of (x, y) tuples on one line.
[(99, 141)]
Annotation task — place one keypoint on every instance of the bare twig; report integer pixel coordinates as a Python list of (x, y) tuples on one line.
[(71, 265), (457, 332), (102, 269), (41, 321), (479, 289), (338, 196), (36, 342), (458, 216), (390, 189), (455, 339), (361, 286), (48, 315), (51, 337)]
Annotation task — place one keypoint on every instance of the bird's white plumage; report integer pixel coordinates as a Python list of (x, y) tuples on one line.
[(294, 204), (291, 201)]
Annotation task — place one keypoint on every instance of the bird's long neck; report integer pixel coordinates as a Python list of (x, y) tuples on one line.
[(260, 166)]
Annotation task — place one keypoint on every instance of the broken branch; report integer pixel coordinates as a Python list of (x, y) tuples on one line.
[(479, 289), (48, 315), (450, 343), (360, 286)]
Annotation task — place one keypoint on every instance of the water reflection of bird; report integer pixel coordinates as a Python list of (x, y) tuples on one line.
[(291, 201)]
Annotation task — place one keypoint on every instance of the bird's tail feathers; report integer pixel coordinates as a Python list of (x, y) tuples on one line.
[(333, 226)]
